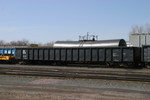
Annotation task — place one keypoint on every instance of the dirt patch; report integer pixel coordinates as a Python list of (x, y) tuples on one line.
[(46, 81)]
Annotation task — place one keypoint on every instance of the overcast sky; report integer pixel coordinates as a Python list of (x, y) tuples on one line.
[(50, 20)]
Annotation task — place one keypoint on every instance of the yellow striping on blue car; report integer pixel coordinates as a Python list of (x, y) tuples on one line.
[(7, 58)]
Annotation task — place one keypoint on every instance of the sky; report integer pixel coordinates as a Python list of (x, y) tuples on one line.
[(42, 21)]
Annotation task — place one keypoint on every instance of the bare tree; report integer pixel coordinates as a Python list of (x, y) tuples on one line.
[(23, 42), (133, 31), (2, 42), (147, 28), (49, 44), (140, 29)]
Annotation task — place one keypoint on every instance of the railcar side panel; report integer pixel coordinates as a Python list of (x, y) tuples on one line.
[(87, 54), (137, 55), (116, 54), (81, 54), (18, 54), (25, 54), (128, 55), (146, 53), (109, 55), (57, 54), (69, 54), (63, 54), (46, 55), (51, 54), (36, 54), (102, 54), (31, 54), (41, 54), (94, 54), (75, 54)]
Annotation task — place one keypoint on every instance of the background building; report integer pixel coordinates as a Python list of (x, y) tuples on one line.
[(137, 40)]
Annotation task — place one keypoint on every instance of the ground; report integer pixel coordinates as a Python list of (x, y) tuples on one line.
[(48, 88)]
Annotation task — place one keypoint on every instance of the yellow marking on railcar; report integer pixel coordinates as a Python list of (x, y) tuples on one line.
[(7, 58)]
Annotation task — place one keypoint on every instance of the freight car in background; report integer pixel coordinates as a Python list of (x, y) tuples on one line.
[(7, 55), (90, 43), (146, 55)]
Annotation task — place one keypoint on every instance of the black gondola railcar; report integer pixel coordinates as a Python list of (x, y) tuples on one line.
[(109, 55), (146, 55)]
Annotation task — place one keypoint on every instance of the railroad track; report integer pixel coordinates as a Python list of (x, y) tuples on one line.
[(75, 73)]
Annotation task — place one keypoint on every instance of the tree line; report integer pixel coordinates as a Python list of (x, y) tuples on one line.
[(25, 42), (142, 29)]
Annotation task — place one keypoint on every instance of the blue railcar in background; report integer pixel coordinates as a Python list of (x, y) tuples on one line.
[(7, 55), (9, 51)]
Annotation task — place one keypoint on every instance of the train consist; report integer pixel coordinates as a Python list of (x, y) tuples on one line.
[(106, 52)]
